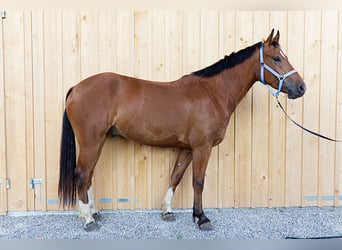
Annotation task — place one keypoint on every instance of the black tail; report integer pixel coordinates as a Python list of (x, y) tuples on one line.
[(67, 180)]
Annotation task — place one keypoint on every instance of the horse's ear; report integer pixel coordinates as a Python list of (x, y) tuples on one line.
[(270, 38), (276, 38)]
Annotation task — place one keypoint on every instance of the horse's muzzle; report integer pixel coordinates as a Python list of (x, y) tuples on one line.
[(296, 91)]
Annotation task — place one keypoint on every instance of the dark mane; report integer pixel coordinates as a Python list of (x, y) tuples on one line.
[(230, 61)]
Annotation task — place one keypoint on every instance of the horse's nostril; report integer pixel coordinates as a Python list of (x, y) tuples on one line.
[(301, 88)]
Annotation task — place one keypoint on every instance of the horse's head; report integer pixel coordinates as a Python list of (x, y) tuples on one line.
[(276, 70)]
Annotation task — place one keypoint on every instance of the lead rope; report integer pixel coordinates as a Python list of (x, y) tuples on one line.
[(305, 129)]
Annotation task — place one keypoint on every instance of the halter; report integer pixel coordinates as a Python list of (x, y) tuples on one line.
[(280, 77)]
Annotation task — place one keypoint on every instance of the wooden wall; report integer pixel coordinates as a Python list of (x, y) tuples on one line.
[(264, 161)]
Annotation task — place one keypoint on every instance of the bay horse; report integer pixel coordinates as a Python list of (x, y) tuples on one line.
[(191, 113)]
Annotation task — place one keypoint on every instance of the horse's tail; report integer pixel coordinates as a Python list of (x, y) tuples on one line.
[(67, 178)]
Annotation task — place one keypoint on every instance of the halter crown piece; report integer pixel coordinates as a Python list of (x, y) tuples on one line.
[(280, 77)]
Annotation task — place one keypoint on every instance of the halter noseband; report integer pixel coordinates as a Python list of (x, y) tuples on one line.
[(280, 77)]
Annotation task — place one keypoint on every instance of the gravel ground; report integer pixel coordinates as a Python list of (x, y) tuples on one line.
[(256, 223)]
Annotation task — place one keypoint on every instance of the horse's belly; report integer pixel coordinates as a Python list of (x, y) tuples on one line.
[(155, 136)]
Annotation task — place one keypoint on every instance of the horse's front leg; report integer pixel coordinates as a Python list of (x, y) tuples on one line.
[(183, 160), (200, 161)]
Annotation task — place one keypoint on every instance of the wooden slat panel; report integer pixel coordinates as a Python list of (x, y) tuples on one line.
[(276, 128), (293, 173), (14, 69), (3, 148), (53, 101), (243, 122), (71, 50), (312, 58), (29, 106), (260, 143), (328, 106), (89, 44), (338, 163), (39, 120)]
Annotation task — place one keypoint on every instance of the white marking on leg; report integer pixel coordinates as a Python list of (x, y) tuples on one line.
[(85, 213), (166, 205), (91, 201)]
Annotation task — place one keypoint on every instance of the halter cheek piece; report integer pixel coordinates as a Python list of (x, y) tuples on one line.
[(280, 77)]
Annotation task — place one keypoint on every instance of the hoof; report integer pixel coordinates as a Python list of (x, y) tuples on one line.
[(207, 226), (97, 216), (91, 226), (169, 216)]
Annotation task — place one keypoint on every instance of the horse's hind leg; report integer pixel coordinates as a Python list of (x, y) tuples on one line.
[(183, 160), (91, 204), (84, 172)]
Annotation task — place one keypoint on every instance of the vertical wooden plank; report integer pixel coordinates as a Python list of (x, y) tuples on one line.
[(29, 106), (278, 20), (160, 156), (89, 43), (38, 66), (295, 51), (260, 119), (227, 146), (141, 68), (53, 101), (243, 121), (103, 176), (328, 106), (191, 62), (14, 68), (174, 70), (3, 161), (209, 55), (124, 149), (312, 64), (71, 50), (338, 163)]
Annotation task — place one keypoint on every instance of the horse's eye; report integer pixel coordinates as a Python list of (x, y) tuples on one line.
[(276, 59)]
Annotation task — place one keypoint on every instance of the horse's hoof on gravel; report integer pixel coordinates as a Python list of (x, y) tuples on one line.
[(207, 226), (169, 217), (97, 216), (91, 226)]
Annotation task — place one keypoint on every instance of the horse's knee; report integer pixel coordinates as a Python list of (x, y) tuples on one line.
[(198, 184)]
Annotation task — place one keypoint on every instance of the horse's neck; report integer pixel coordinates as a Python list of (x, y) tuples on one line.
[(237, 81)]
